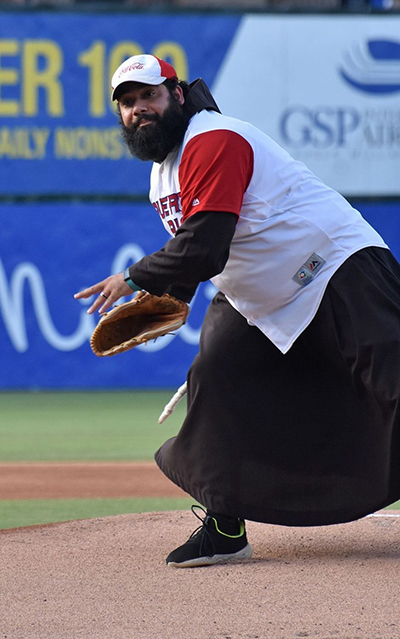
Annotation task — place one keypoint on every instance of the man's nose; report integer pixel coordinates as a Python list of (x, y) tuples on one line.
[(140, 107)]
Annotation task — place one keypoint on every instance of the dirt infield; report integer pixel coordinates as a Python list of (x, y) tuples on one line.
[(106, 578), (84, 480)]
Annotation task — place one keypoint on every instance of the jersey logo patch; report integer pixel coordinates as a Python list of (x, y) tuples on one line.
[(309, 270), (196, 202)]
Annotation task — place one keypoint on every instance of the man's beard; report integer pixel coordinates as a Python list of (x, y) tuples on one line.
[(154, 141)]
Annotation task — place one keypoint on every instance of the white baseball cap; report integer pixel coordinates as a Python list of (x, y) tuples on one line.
[(145, 68)]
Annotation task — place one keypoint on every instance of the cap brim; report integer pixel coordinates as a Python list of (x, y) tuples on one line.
[(150, 79)]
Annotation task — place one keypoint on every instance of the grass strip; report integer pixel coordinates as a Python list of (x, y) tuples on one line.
[(30, 512), (85, 426), (14, 514)]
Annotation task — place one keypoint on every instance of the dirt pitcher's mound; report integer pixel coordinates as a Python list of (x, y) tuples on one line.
[(106, 578)]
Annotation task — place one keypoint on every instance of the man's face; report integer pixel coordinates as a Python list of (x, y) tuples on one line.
[(152, 120)]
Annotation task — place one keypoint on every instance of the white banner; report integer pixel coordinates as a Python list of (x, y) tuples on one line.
[(327, 89)]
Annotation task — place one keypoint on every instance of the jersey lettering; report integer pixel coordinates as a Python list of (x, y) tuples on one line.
[(173, 225), (167, 206), (169, 210)]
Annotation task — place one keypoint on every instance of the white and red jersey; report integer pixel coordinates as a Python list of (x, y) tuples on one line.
[(293, 231)]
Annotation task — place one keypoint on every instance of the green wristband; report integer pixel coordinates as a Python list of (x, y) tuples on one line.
[(128, 280)]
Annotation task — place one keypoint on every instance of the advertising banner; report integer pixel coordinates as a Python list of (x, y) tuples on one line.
[(327, 89), (49, 252), (58, 128)]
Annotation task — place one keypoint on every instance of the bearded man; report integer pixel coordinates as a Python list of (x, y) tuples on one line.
[(293, 399)]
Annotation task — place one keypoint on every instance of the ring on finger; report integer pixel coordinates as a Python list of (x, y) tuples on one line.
[(105, 296)]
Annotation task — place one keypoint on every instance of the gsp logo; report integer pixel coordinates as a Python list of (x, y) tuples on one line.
[(319, 128), (373, 67)]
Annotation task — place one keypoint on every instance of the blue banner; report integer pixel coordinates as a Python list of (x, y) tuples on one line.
[(50, 251), (385, 218), (58, 128)]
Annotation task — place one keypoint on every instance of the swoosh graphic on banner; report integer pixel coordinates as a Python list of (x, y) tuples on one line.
[(373, 67)]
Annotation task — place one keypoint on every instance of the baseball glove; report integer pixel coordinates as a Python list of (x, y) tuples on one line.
[(138, 321)]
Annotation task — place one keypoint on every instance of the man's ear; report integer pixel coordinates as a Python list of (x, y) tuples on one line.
[(178, 93)]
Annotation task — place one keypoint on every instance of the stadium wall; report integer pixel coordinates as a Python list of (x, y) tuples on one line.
[(74, 204)]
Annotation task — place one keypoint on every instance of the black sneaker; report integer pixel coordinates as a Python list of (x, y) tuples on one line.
[(209, 545)]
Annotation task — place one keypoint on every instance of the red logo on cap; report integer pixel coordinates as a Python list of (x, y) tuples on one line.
[(131, 67)]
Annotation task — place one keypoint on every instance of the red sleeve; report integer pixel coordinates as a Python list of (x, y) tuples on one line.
[(214, 173)]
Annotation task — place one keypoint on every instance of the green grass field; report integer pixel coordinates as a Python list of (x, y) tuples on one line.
[(84, 426), (81, 426)]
